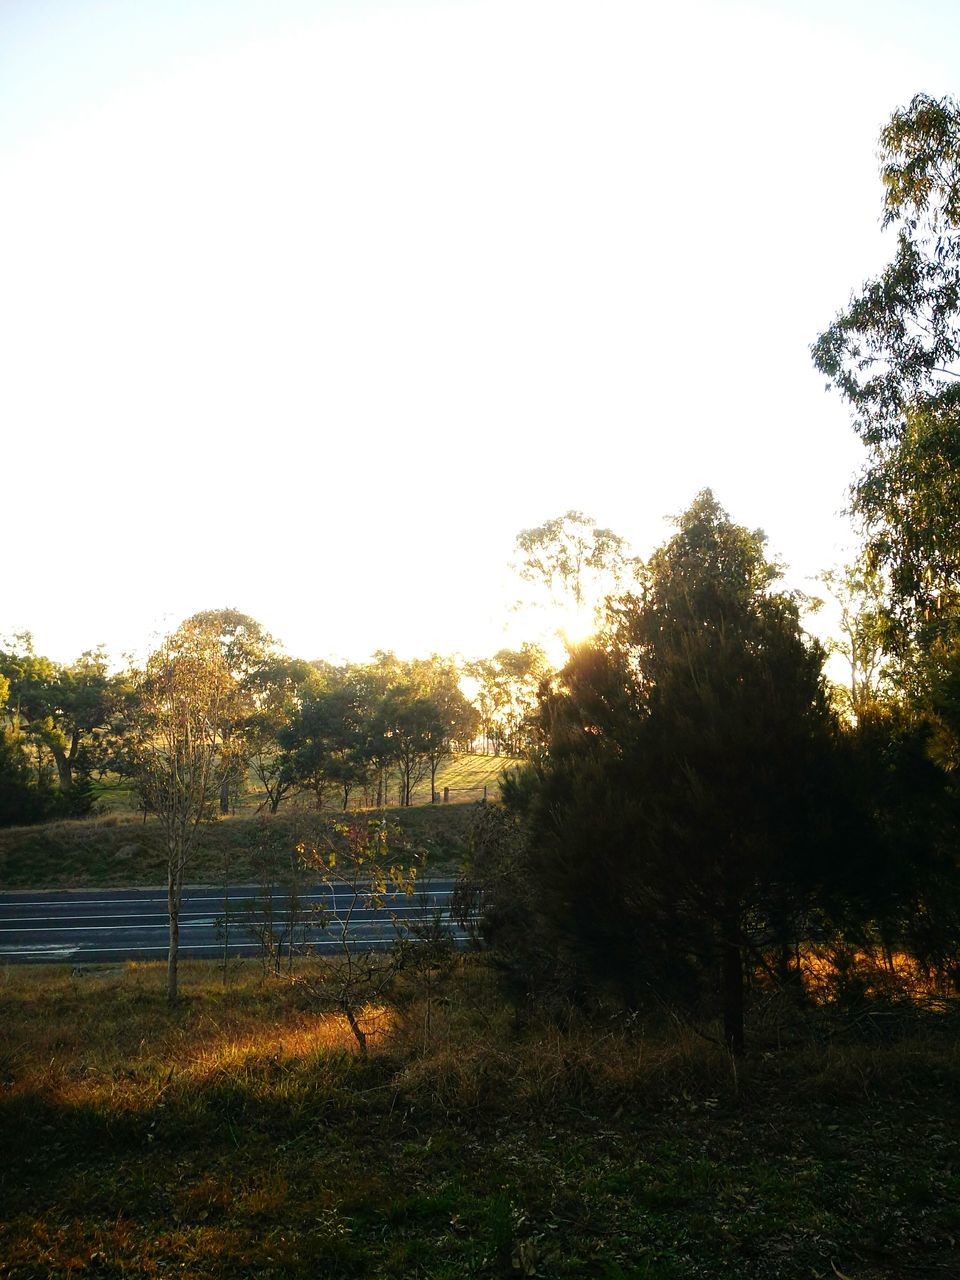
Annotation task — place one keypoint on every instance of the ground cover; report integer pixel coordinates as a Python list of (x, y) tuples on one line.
[(119, 849), (240, 1135), (124, 851), (466, 776)]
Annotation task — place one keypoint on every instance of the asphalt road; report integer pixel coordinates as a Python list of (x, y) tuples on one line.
[(102, 925)]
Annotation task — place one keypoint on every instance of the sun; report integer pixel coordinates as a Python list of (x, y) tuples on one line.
[(576, 623)]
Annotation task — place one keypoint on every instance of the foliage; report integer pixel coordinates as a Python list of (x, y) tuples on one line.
[(331, 739), (893, 356), (74, 716), (355, 866), (247, 651), (572, 566), (369, 717), (23, 798), (188, 699), (687, 807), (448, 721), (278, 688), (905, 893), (865, 637), (499, 898), (507, 692), (574, 560)]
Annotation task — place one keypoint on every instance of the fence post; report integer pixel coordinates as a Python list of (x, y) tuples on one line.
[(484, 791), (446, 795)]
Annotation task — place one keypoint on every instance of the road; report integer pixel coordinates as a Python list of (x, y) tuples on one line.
[(93, 926)]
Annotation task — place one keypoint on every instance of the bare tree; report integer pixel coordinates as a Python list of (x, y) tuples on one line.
[(353, 862)]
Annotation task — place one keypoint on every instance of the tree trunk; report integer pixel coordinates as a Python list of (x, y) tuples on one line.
[(733, 995), (358, 1033), (225, 793), (226, 916), (64, 772), (174, 894), (405, 783), (789, 972)]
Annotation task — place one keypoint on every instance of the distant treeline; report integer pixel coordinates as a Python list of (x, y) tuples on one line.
[(289, 726)]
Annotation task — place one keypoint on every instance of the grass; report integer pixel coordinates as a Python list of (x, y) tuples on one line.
[(466, 776), (120, 850), (239, 1135)]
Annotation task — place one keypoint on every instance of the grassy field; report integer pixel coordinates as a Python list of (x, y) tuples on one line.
[(466, 777), (240, 1135), (120, 849)]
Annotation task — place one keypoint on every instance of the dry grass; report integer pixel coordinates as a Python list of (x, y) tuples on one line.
[(829, 974), (241, 1135)]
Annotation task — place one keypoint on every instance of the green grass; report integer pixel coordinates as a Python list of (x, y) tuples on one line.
[(465, 775), (121, 852), (119, 849), (240, 1136)]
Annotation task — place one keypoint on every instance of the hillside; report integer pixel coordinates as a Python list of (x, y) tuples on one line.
[(115, 852), (120, 849)]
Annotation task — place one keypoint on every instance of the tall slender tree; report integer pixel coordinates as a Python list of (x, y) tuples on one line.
[(894, 355), (188, 694)]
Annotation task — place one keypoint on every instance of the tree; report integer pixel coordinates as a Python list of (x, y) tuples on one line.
[(681, 817), (353, 861), (451, 721), (574, 565), (507, 688), (23, 799), (246, 648), (422, 716), (864, 626), (279, 689), (325, 742), (893, 355), (906, 896), (370, 683), (410, 720), (69, 711), (188, 698)]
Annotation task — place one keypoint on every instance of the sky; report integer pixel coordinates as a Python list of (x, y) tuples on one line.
[(307, 309)]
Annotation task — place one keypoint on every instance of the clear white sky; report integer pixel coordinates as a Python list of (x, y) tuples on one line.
[(307, 309)]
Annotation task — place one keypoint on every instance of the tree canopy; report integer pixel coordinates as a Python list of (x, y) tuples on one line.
[(573, 565), (188, 698), (893, 355), (681, 815)]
